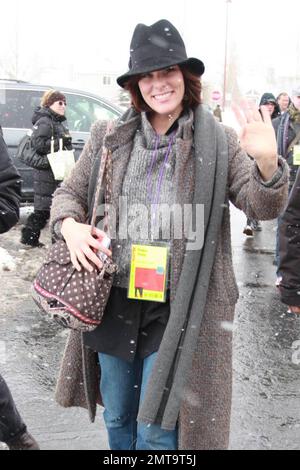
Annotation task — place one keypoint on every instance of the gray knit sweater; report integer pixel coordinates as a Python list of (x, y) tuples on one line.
[(143, 219)]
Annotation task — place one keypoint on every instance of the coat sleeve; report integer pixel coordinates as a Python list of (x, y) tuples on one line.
[(10, 190), (289, 248), (247, 191), (40, 162), (41, 136), (71, 198)]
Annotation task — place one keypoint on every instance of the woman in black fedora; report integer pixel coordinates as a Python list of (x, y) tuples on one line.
[(162, 349)]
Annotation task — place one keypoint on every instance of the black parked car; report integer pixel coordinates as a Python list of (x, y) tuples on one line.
[(17, 102)]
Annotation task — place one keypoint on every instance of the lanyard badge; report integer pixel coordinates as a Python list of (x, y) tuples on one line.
[(148, 272), (149, 262), (296, 155)]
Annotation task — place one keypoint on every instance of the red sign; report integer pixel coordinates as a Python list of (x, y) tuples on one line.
[(149, 279), (216, 95)]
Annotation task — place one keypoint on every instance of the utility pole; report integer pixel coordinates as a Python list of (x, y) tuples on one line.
[(17, 42), (225, 54)]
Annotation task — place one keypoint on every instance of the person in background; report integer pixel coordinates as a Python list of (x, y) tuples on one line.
[(287, 128), (289, 250), (269, 101), (283, 101), (13, 430), (49, 121), (10, 189), (218, 113), (166, 372)]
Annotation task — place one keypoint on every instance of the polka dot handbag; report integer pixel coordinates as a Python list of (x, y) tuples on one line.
[(76, 299)]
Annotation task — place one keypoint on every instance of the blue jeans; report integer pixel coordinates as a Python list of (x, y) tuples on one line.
[(123, 386)]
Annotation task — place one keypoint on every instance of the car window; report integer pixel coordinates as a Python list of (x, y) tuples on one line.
[(82, 111), (16, 107)]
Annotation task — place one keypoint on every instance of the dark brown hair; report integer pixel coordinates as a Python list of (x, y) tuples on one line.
[(192, 94), (51, 96)]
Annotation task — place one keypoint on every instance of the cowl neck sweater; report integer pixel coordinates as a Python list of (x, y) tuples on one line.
[(149, 184)]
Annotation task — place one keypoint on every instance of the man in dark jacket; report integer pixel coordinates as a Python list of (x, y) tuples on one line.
[(13, 430), (287, 128), (289, 250), (10, 185)]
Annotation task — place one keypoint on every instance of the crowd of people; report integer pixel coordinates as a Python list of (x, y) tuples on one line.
[(284, 112), (165, 368)]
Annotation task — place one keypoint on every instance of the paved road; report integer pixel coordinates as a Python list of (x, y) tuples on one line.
[(266, 392)]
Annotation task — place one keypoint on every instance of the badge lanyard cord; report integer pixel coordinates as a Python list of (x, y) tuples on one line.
[(154, 198)]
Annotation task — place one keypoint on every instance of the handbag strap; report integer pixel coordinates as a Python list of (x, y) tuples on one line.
[(105, 169), (52, 138)]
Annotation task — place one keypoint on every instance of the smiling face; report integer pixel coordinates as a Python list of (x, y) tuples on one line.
[(163, 91), (283, 102)]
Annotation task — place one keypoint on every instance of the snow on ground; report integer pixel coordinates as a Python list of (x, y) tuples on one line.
[(7, 262)]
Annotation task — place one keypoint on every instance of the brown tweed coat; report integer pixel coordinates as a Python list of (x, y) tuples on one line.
[(204, 420)]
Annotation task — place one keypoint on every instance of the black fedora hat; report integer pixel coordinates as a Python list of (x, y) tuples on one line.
[(156, 47)]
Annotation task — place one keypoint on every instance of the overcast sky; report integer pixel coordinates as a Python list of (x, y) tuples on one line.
[(94, 34)]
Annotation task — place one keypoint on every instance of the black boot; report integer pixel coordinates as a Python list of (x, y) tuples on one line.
[(23, 442), (30, 237), (32, 229)]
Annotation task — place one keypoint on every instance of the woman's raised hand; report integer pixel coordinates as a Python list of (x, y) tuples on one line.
[(83, 245), (257, 137)]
